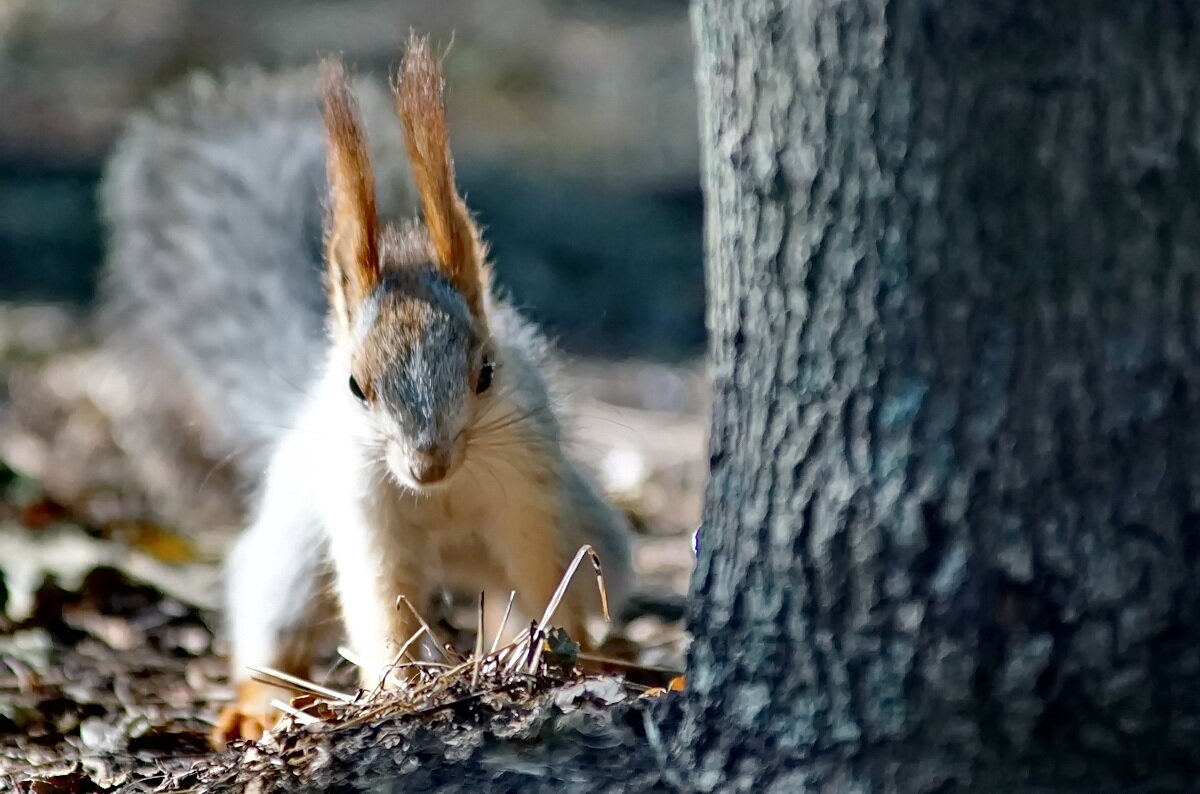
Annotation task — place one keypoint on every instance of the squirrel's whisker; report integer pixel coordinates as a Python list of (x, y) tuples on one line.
[(474, 467), (514, 419)]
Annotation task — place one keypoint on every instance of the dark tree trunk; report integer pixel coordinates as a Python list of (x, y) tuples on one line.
[(951, 536)]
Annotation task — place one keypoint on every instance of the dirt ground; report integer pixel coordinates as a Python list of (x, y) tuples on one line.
[(111, 655)]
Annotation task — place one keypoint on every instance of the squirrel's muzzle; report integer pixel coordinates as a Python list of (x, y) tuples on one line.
[(424, 465), (432, 464)]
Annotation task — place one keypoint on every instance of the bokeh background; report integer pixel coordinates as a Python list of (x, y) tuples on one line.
[(574, 124)]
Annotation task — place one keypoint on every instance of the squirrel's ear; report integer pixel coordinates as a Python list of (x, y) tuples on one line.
[(352, 237), (453, 233)]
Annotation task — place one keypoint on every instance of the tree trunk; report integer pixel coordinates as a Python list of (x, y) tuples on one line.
[(951, 531)]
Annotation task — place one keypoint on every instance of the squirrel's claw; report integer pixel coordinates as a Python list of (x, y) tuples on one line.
[(248, 717)]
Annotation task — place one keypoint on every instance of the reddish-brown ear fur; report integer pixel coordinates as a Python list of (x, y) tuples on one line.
[(453, 233), (352, 244)]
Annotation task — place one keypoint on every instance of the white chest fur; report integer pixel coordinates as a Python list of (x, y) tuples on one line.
[(472, 532)]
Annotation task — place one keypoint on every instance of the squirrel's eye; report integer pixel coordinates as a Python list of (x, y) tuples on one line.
[(485, 376), (357, 391)]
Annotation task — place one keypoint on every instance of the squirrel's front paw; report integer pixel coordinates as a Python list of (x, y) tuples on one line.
[(248, 717)]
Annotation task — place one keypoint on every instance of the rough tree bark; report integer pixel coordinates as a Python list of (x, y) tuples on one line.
[(951, 537)]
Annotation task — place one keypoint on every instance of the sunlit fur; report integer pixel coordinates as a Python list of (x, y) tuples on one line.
[(509, 517), (224, 203), (412, 319)]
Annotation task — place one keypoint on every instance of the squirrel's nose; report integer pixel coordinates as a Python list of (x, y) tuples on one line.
[(429, 465)]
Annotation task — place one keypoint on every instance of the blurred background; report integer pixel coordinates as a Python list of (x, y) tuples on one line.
[(574, 124)]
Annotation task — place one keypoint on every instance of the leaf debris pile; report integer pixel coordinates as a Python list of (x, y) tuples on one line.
[(509, 691)]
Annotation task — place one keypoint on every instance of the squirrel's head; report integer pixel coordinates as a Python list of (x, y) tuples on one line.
[(409, 305)]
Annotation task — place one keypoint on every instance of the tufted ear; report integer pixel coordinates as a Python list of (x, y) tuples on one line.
[(452, 231), (352, 236)]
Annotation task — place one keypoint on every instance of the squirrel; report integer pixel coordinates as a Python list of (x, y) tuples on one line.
[(412, 446)]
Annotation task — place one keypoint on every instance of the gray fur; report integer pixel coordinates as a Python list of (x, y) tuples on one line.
[(422, 386)]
